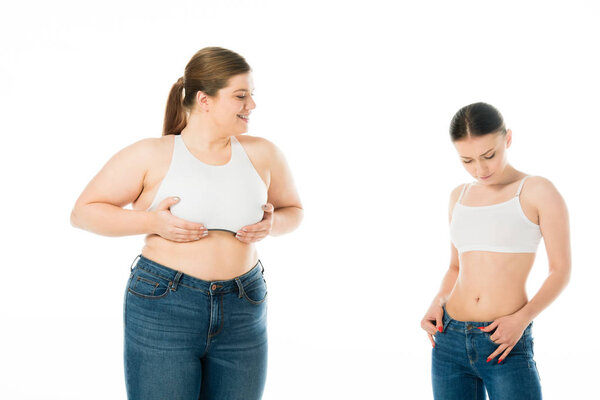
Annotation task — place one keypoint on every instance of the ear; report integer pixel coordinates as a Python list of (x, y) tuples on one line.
[(202, 99), (508, 138)]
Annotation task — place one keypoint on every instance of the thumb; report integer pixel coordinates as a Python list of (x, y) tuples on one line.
[(166, 203), (490, 327), (268, 207)]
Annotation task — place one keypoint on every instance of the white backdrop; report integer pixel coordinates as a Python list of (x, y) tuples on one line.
[(358, 95)]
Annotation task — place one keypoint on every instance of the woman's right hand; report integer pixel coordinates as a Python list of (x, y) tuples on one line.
[(174, 228), (432, 321)]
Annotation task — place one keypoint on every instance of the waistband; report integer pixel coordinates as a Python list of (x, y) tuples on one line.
[(470, 326), (179, 278)]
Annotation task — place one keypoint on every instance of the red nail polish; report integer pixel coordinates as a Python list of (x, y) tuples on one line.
[(439, 328), (481, 327), (488, 360), (499, 361), (434, 345)]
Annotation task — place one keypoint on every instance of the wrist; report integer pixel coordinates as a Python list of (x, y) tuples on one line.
[(150, 226), (525, 315)]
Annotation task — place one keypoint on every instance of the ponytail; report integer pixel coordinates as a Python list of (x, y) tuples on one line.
[(175, 114), (208, 71)]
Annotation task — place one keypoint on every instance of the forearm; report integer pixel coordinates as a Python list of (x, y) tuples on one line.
[(286, 219), (446, 287), (549, 291), (110, 220)]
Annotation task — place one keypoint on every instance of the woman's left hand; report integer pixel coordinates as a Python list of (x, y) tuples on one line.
[(509, 330), (260, 230)]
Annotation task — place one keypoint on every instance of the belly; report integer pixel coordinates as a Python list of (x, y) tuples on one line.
[(219, 256), (489, 285)]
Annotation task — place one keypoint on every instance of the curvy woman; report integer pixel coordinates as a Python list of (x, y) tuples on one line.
[(195, 302), (480, 322)]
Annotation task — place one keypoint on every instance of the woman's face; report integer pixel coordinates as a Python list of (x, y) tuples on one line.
[(230, 107), (484, 157)]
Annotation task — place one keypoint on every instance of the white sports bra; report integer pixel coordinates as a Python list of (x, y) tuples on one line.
[(501, 227), (222, 197)]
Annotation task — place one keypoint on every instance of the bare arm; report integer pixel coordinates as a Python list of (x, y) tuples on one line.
[(283, 211), (99, 208), (554, 224), (283, 195), (432, 321)]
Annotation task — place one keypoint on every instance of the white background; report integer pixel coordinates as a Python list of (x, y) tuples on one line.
[(358, 96)]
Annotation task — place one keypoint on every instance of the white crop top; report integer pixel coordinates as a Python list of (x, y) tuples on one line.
[(501, 227), (222, 197)]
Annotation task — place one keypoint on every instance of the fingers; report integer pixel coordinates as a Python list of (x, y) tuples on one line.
[(498, 351), (490, 327), (431, 339), (249, 237), (268, 208), (438, 322), (428, 326), (505, 354)]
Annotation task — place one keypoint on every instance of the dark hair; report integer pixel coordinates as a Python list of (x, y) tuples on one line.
[(209, 71), (476, 119)]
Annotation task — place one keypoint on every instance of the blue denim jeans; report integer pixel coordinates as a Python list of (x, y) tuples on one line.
[(190, 339), (459, 369)]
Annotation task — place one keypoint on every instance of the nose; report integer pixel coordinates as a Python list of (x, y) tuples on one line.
[(251, 105)]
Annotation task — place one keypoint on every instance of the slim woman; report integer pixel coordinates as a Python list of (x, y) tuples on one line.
[(195, 302), (480, 322)]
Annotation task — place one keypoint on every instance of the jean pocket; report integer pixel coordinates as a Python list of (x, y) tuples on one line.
[(256, 291), (147, 285)]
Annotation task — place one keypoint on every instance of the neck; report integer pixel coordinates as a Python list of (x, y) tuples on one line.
[(202, 134)]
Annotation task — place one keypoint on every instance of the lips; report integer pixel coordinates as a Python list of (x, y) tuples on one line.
[(485, 177), (243, 117)]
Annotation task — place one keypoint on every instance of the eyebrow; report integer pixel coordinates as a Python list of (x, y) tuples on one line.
[(483, 154), (241, 90)]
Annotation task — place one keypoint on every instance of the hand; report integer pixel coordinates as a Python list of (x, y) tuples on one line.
[(432, 321), (260, 230), (509, 330), (173, 228)]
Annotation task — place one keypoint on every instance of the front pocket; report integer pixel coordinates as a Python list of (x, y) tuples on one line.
[(147, 285), (256, 291)]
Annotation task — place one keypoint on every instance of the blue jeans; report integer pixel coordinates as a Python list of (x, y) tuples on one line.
[(190, 339), (459, 369)]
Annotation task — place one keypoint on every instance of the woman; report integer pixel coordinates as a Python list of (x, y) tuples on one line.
[(195, 309), (480, 321)]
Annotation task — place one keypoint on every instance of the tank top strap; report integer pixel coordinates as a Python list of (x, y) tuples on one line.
[(464, 189), (521, 186)]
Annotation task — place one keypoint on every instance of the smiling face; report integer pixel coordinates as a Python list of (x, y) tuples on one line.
[(230, 108), (484, 157)]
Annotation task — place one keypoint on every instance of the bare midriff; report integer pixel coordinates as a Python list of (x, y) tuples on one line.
[(489, 285), (219, 256)]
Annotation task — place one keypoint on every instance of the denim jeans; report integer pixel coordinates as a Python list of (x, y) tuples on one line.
[(190, 339), (459, 369)]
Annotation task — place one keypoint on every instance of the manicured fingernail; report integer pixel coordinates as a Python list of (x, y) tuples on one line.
[(481, 327), (488, 360), (434, 346), (499, 361), (439, 328)]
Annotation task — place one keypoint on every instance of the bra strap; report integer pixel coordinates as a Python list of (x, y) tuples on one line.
[(521, 186), (462, 192)]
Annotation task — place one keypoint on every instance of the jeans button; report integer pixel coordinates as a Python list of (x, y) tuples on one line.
[(469, 326), (213, 287)]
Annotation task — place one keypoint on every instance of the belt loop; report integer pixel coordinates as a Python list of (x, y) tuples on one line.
[(134, 262), (240, 287), (176, 281)]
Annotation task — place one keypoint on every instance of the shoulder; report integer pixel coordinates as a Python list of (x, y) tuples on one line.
[(259, 147), (540, 191), (538, 186), (455, 193)]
